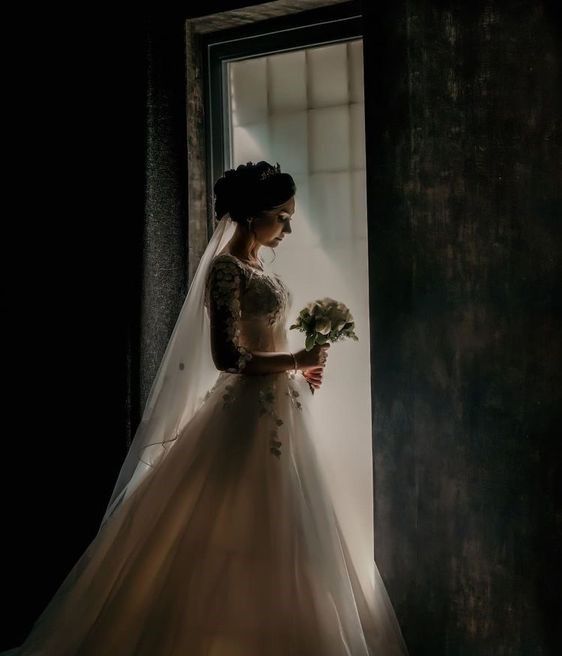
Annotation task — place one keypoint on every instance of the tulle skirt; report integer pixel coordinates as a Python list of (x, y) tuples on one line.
[(229, 547)]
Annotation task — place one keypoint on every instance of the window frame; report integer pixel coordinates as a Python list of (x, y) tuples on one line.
[(305, 29)]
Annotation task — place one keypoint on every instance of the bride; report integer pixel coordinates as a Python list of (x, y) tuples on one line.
[(219, 538)]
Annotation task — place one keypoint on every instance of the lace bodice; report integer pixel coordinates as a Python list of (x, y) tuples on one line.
[(248, 311)]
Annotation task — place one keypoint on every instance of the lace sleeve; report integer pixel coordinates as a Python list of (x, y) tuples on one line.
[(225, 282)]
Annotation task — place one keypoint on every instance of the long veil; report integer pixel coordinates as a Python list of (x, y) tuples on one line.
[(185, 373)]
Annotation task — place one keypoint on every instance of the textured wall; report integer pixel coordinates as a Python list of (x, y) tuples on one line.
[(463, 141), (164, 270)]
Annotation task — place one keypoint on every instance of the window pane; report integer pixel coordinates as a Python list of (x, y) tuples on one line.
[(305, 110)]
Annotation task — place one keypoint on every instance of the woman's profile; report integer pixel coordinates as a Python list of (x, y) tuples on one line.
[(219, 538)]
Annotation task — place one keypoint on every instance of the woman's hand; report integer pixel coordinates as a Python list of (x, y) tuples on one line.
[(312, 364), (314, 376), (316, 357)]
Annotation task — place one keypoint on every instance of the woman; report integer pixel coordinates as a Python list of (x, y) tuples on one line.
[(219, 538)]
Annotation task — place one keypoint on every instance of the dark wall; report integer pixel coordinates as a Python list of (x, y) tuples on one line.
[(70, 245), (464, 206), (463, 143)]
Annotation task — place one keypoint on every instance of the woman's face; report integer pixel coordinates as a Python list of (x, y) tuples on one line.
[(273, 225)]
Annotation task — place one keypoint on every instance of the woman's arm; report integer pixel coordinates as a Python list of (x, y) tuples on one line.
[(225, 281)]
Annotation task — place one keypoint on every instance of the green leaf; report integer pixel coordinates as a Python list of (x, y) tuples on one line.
[(309, 342)]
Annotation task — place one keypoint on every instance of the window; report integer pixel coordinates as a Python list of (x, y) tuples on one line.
[(290, 90)]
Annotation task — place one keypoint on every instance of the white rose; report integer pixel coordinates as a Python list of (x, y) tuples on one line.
[(323, 325)]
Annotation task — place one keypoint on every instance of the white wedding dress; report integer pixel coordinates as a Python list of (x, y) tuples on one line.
[(230, 546)]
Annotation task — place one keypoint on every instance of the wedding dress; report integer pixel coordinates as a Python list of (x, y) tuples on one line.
[(230, 546)]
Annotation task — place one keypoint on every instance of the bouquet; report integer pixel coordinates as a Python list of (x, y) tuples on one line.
[(324, 320)]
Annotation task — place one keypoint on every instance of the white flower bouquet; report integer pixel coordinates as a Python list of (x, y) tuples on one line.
[(325, 320)]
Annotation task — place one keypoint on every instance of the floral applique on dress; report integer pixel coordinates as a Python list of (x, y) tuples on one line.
[(228, 396), (266, 296), (293, 394), (266, 402)]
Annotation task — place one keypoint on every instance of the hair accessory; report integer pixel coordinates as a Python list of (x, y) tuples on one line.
[(269, 173)]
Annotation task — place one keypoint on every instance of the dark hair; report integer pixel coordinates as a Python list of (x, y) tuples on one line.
[(250, 189)]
